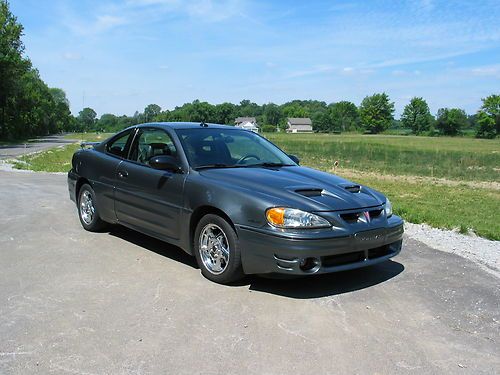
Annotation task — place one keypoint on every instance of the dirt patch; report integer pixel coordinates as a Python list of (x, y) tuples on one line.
[(352, 174)]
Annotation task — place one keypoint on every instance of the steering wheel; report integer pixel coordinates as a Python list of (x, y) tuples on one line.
[(242, 159)]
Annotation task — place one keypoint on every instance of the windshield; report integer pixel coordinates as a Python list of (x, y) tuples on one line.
[(230, 148)]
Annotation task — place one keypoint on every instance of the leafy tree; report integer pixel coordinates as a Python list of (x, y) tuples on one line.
[(151, 111), (87, 119), (225, 113), (451, 121), (344, 116), (488, 117), (417, 116), (376, 113), (108, 122), (268, 129), (321, 122), (272, 114)]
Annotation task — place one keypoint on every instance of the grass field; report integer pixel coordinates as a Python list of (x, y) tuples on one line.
[(453, 158), (451, 183)]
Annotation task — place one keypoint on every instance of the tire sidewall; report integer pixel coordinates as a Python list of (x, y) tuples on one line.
[(233, 271), (96, 223)]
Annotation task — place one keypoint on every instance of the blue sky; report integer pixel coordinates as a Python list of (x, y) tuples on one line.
[(119, 56)]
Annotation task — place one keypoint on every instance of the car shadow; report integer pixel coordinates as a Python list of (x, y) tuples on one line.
[(314, 286), (331, 284), (152, 244)]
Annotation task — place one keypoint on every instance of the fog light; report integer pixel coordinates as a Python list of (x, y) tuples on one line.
[(309, 264)]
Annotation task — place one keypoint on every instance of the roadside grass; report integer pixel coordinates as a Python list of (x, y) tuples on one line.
[(89, 137), (453, 158), (54, 160), (466, 200)]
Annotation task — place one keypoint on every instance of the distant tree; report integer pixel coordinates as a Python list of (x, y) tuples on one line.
[(488, 117), (108, 122), (151, 111), (376, 113), (344, 116), (61, 114), (451, 121), (268, 128), (272, 114), (321, 122), (87, 119), (200, 112), (225, 113), (417, 116)]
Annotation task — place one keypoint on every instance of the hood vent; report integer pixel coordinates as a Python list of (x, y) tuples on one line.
[(310, 192), (353, 188)]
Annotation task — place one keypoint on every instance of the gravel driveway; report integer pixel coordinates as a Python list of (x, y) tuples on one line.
[(74, 302)]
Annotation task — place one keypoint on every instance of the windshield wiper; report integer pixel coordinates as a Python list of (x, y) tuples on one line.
[(218, 165), (270, 165)]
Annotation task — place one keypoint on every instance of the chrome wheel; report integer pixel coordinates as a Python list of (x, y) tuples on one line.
[(87, 209), (214, 249)]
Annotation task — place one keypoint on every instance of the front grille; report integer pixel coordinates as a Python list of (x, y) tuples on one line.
[(341, 259), (379, 252), (375, 213), (351, 217), (357, 256)]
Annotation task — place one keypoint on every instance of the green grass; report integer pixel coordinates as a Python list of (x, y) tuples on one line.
[(89, 137), (453, 207), (465, 207), (54, 160), (453, 158)]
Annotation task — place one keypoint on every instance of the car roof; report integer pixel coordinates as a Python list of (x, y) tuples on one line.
[(183, 125)]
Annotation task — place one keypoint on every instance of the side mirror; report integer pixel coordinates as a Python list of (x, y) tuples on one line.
[(294, 158), (165, 163)]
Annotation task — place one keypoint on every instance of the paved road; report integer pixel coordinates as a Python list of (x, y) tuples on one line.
[(74, 302), (34, 145)]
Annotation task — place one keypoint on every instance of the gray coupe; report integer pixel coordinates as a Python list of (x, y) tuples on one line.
[(232, 199)]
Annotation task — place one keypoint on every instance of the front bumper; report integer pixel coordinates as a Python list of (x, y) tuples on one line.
[(267, 253)]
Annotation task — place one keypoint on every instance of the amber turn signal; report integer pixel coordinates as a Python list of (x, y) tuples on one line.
[(276, 216)]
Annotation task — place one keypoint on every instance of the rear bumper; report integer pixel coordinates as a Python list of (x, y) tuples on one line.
[(267, 253)]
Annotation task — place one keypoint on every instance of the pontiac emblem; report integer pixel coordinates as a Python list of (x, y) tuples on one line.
[(367, 216)]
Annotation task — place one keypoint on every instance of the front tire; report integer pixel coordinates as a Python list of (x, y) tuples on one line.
[(217, 250), (88, 212)]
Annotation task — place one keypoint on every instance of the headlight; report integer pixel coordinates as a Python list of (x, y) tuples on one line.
[(283, 217), (388, 208)]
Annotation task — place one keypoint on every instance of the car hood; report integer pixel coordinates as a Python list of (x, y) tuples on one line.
[(298, 187)]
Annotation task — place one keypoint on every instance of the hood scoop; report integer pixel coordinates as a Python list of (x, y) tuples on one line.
[(352, 188), (317, 192), (310, 192)]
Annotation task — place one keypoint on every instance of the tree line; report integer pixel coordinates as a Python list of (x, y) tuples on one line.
[(374, 115), (28, 107)]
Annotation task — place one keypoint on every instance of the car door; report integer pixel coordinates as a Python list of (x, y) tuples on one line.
[(102, 171), (148, 199)]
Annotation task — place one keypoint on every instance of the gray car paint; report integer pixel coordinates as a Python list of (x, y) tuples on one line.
[(166, 205)]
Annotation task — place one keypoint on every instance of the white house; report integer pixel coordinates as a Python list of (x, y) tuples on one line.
[(247, 123), (299, 125)]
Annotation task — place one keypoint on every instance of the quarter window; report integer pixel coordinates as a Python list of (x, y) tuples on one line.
[(118, 147)]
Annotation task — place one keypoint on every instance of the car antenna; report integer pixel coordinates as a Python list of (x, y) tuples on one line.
[(204, 124)]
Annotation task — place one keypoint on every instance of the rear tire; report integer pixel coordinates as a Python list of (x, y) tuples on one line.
[(217, 251), (88, 212)]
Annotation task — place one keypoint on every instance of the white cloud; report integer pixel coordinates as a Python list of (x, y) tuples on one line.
[(72, 56), (487, 71)]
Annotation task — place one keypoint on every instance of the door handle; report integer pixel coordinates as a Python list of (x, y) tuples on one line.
[(122, 174)]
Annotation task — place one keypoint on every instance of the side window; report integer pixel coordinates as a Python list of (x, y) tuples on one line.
[(150, 143), (118, 147)]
